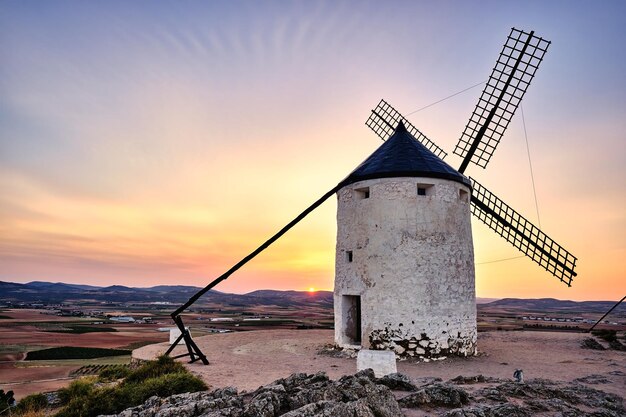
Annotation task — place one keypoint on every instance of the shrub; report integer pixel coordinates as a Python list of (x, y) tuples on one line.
[(103, 400), (77, 389), (608, 335), (162, 377), (31, 404), (163, 365), (113, 373), (166, 385), (6, 400)]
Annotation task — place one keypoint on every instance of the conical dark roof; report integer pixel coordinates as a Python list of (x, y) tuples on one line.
[(403, 156)]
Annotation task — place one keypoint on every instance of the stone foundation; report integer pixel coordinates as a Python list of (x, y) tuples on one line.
[(423, 347)]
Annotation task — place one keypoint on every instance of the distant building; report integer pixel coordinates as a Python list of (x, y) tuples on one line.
[(122, 319)]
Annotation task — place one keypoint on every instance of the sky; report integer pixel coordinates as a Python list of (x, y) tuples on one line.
[(159, 142)]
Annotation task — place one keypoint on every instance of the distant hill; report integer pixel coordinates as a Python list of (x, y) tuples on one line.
[(552, 304), (57, 292)]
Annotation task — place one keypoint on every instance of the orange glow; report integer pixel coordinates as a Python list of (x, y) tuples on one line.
[(165, 151)]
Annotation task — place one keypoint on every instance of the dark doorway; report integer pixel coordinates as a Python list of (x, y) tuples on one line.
[(352, 318)]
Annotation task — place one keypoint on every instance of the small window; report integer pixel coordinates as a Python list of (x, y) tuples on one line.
[(464, 196), (424, 189), (349, 255), (363, 193)]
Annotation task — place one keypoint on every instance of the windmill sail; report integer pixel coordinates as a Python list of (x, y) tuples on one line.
[(522, 234), (384, 119), (514, 70)]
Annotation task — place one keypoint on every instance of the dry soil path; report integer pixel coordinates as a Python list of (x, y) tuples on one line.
[(247, 360)]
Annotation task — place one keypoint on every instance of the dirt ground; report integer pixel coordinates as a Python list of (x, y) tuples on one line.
[(24, 381), (34, 315), (248, 360)]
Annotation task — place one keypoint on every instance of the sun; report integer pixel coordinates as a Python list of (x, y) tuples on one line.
[(311, 290)]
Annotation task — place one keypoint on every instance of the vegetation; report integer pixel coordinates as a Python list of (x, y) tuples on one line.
[(31, 405), (113, 373), (80, 329), (72, 352), (6, 400), (608, 335), (163, 377)]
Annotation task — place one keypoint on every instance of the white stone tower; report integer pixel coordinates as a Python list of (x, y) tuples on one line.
[(404, 271)]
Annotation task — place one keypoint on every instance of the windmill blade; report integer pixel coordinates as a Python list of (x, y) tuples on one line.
[(514, 70), (522, 234), (384, 119)]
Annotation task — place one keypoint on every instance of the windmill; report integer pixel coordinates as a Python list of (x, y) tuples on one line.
[(439, 319), (404, 260)]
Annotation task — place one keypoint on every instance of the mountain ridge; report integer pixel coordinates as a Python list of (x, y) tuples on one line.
[(58, 292)]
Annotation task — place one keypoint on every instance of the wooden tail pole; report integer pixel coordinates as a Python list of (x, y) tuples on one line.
[(193, 351), (606, 314)]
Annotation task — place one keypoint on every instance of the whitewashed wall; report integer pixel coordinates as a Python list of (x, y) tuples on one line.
[(412, 265)]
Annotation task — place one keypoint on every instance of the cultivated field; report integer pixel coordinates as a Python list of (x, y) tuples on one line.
[(30, 330)]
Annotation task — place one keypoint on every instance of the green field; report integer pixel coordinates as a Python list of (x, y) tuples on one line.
[(108, 360), (81, 329), (73, 352)]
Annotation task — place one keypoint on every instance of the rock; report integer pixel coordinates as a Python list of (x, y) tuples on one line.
[(366, 373), (548, 395), (423, 343), (319, 408), (476, 379), (399, 350), (426, 380), (436, 395), (363, 395), (397, 381), (593, 379), (420, 351), (500, 410), (265, 404)]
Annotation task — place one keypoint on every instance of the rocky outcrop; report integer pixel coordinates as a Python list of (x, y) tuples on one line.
[(299, 395), (476, 379), (540, 395), (436, 395), (397, 381), (364, 395)]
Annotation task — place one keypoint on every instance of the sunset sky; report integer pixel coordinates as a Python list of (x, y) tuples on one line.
[(151, 142)]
